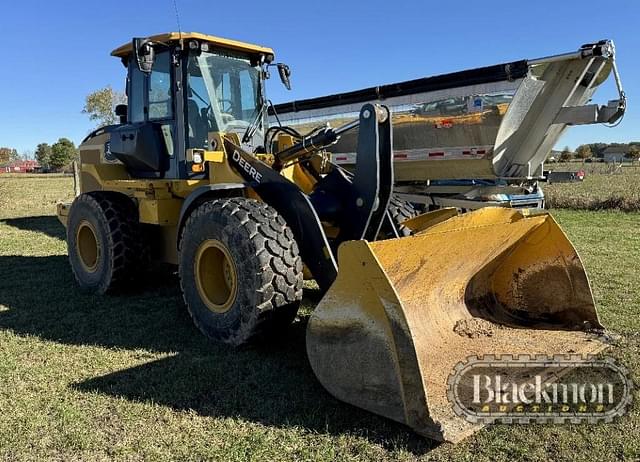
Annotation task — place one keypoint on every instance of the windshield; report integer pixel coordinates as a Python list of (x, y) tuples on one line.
[(223, 94)]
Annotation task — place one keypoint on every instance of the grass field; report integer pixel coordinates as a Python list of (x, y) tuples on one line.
[(130, 377), (604, 187)]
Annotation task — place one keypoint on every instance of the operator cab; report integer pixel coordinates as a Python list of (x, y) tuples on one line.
[(182, 87)]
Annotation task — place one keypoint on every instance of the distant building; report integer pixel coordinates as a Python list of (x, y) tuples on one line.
[(615, 154), (20, 166)]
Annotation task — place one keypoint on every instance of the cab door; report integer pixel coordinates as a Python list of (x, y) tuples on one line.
[(148, 143)]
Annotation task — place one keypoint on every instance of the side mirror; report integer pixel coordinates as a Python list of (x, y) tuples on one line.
[(121, 111), (144, 53), (285, 74)]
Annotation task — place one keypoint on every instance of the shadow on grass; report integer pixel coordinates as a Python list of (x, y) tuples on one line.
[(271, 383), (48, 225)]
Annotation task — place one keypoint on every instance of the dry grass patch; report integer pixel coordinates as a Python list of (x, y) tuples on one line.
[(603, 188)]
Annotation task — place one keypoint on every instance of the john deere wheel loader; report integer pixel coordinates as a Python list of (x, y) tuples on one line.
[(193, 177)]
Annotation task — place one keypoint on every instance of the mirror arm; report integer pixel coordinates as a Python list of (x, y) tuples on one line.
[(284, 72)]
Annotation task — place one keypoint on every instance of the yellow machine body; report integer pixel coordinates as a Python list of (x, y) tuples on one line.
[(402, 312)]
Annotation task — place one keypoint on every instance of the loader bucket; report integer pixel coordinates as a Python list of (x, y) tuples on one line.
[(403, 312)]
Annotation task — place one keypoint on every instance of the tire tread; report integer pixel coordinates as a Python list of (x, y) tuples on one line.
[(267, 241)]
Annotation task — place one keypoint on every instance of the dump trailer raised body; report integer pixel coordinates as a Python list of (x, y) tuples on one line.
[(496, 124), (177, 183)]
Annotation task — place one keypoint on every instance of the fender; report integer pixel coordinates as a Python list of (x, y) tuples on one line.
[(201, 191)]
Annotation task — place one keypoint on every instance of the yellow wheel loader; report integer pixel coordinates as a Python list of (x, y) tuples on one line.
[(192, 176)]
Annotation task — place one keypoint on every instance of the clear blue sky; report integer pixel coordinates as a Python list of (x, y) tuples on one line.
[(56, 52)]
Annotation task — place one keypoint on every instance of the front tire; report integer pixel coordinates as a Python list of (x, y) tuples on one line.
[(240, 271)]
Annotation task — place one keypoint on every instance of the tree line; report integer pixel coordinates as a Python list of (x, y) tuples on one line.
[(99, 106), (57, 156), (53, 157), (596, 150)]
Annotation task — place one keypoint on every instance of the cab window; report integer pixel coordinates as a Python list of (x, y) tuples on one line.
[(160, 97), (135, 94)]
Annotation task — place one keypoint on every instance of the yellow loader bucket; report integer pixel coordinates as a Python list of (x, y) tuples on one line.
[(403, 312)]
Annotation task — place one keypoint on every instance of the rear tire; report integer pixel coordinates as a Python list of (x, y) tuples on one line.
[(240, 271), (103, 241)]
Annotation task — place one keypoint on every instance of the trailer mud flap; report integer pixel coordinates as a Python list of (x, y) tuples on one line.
[(403, 312)]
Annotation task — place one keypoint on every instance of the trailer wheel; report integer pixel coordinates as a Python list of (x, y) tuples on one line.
[(240, 271), (400, 211), (103, 241)]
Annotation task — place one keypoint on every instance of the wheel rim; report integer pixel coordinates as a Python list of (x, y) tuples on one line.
[(216, 276), (87, 246)]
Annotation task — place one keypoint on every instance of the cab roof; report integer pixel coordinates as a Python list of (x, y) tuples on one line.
[(126, 49)]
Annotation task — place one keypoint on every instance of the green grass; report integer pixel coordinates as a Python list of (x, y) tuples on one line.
[(129, 377), (604, 187)]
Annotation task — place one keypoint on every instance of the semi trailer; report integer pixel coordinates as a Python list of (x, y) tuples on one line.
[(476, 137)]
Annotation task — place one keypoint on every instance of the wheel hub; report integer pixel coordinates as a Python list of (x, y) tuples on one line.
[(87, 246), (216, 276)]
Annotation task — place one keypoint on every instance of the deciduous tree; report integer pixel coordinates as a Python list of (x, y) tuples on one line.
[(634, 152), (43, 155), (100, 105), (8, 155), (583, 152), (62, 153), (566, 154)]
